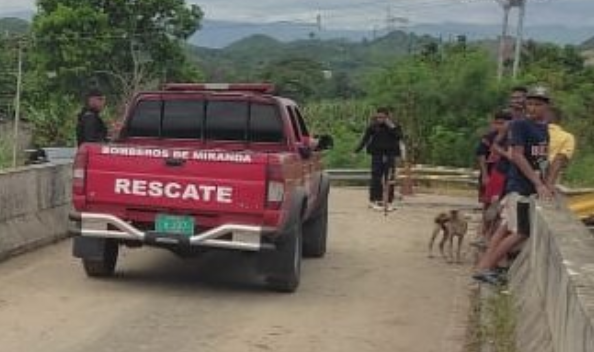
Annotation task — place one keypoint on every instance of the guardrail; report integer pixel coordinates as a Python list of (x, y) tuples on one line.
[(415, 173)]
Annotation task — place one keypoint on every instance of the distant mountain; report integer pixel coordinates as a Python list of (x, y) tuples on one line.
[(218, 34), (246, 58), (551, 33), (12, 25), (23, 15), (588, 44)]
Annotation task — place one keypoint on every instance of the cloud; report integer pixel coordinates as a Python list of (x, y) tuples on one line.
[(16, 5)]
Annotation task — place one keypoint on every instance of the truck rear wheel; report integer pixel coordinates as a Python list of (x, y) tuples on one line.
[(286, 266), (105, 266), (315, 233)]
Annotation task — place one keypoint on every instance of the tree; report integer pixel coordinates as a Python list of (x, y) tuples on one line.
[(441, 104), (120, 44), (298, 78)]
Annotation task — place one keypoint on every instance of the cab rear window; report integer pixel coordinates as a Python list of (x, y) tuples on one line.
[(219, 120)]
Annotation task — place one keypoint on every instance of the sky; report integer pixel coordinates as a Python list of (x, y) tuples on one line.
[(367, 14)]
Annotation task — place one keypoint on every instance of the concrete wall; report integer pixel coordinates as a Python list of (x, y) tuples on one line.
[(34, 206), (553, 285)]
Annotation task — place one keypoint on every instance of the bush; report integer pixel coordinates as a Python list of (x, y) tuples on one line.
[(5, 154), (581, 171), (345, 121)]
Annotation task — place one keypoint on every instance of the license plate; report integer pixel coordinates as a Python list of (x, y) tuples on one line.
[(175, 225)]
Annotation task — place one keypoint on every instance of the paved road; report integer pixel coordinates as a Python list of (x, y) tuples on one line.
[(375, 291)]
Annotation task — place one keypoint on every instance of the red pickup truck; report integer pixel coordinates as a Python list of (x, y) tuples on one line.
[(198, 167)]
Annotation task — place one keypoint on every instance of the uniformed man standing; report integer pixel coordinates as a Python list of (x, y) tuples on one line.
[(90, 127)]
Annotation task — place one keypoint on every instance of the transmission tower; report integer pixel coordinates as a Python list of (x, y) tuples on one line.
[(394, 22)]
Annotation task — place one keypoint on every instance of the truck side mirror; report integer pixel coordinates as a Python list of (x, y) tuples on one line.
[(305, 151), (325, 142)]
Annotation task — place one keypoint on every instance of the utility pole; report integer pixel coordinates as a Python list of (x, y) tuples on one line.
[(17, 106), (507, 6), (520, 37), (502, 41), (319, 22)]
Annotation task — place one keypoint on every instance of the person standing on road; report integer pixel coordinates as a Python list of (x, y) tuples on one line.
[(382, 141), (90, 127)]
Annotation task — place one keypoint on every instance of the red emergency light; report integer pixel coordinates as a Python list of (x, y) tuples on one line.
[(264, 88)]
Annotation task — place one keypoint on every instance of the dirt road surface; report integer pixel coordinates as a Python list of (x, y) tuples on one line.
[(376, 290)]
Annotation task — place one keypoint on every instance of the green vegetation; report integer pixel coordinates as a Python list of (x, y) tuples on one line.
[(5, 154), (500, 326), (345, 121), (443, 93), (492, 323)]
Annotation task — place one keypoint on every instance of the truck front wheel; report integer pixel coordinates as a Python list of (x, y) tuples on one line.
[(315, 233), (105, 265)]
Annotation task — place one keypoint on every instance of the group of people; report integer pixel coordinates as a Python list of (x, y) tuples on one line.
[(520, 160)]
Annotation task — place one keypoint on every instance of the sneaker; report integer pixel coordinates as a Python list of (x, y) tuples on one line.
[(377, 206), (502, 270), (489, 277), (391, 207)]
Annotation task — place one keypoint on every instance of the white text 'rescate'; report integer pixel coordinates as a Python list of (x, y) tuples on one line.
[(173, 190)]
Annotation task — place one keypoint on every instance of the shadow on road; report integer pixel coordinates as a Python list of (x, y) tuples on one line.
[(212, 271)]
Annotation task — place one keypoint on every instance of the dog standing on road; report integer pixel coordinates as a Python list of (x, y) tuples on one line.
[(452, 225)]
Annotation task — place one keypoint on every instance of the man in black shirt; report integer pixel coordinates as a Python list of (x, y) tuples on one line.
[(90, 127), (382, 141)]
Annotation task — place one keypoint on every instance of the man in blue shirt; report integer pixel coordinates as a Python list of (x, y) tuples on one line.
[(529, 141)]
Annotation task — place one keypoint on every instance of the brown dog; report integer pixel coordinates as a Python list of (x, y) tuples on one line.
[(451, 224)]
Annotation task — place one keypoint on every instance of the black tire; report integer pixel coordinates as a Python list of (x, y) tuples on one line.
[(286, 265), (104, 267), (315, 233)]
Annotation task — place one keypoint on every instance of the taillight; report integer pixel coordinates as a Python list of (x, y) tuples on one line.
[(79, 174), (275, 191)]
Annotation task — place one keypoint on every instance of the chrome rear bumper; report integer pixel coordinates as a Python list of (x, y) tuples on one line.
[(242, 237)]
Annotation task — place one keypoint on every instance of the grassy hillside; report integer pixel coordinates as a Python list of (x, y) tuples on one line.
[(244, 59)]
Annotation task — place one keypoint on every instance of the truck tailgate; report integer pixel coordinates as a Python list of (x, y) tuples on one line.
[(186, 181)]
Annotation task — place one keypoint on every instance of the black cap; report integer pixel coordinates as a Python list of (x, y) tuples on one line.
[(95, 93)]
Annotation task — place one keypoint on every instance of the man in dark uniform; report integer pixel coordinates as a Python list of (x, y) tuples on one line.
[(90, 127), (381, 140)]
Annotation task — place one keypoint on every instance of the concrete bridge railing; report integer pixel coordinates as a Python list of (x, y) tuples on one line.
[(34, 205), (552, 282)]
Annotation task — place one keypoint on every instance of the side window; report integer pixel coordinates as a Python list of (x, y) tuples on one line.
[(183, 119), (227, 120), (294, 123), (266, 124), (301, 122), (146, 119)]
